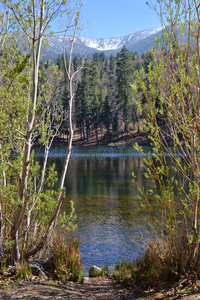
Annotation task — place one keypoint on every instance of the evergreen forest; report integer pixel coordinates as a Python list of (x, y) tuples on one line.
[(104, 102)]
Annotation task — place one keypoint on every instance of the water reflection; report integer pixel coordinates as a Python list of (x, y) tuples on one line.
[(106, 205)]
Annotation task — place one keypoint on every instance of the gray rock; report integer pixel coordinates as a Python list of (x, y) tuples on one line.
[(94, 271), (37, 268)]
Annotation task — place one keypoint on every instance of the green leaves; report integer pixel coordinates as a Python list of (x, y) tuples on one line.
[(20, 66), (30, 114), (169, 86), (77, 16), (68, 221)]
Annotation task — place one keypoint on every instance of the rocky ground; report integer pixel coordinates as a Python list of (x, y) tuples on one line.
[(94, 288)]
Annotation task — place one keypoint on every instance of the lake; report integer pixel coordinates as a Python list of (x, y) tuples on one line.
[(99, 181)]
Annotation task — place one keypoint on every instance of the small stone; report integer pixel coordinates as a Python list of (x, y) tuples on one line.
[(94, 271)]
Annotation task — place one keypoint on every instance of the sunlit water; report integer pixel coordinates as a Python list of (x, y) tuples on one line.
[(99, 181)]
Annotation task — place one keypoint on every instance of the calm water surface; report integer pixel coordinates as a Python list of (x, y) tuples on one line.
[(99, 181)]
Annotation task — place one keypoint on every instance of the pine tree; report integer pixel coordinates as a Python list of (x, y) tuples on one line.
[(83, 103), (124, 78)]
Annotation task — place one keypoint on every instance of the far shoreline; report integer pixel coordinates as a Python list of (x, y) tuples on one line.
[(120, 141)]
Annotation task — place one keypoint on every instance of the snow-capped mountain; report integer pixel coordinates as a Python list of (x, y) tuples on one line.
[(84, 46), (104, 44), (109, 44)]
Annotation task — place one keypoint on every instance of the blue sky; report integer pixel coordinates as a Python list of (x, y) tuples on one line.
[(116, 18)]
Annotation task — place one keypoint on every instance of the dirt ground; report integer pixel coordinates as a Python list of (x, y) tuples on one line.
[(94, 288), (124, 139)]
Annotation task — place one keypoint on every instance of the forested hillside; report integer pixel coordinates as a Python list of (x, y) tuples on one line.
[(104, 99)]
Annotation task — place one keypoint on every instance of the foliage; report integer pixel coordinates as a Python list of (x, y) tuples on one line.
[(30, 197), (68, 221), (171, 108), (123, 271), (3, 265)]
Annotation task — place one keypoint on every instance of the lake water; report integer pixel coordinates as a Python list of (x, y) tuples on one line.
[(99, 181)]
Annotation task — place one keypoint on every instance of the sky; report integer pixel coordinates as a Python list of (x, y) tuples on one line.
[(116, 18)]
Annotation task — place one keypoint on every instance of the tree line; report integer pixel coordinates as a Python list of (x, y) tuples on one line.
[(104, 97)]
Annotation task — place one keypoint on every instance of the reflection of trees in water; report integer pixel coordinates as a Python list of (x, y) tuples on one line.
[(104, 186)]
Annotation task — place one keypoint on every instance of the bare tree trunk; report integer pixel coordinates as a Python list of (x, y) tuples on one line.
[(55, 215), (30, 126)]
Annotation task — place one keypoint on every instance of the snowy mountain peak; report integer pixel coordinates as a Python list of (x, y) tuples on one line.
[(106, 44), (103, 44), (139, 42)]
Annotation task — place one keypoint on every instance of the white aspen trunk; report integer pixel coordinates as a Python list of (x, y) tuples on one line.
[(28, 221), (56, 212), (30, 126), (69, 146), (44, 169)]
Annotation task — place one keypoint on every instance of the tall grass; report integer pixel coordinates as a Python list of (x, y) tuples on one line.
[(66, 258), (155, 266)]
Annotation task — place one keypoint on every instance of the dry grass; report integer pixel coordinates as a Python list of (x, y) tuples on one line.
[(154, 267), (65, 257)]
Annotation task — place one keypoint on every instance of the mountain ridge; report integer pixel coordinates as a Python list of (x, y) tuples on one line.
[(118, 42), (84, 46)]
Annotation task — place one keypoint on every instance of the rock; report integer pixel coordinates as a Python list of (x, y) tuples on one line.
[(94, 271), (38, 269)]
